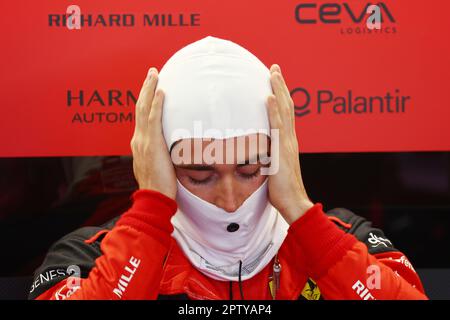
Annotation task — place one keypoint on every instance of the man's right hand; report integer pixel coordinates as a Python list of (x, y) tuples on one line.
[(152, 165)]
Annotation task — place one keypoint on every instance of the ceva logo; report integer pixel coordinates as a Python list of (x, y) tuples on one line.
[(336, 13)]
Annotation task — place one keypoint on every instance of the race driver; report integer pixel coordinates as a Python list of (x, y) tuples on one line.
[(216, 217)]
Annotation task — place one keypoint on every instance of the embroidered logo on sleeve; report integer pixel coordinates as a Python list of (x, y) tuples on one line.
[(376, 241)]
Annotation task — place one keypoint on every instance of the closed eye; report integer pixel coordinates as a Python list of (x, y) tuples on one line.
[(200, 181), (250, 175)]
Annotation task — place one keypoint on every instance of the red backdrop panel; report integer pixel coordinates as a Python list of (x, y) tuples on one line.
[(71, 92)]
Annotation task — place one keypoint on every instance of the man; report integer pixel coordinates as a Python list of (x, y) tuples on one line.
[(221, 211)]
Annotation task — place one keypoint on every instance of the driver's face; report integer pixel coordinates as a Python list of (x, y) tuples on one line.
[(226, 184)]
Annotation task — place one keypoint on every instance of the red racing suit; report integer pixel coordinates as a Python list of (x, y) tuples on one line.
[(333, 255)]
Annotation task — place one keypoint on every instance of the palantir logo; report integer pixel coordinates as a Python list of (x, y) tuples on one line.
[(303, 109), (349, 102)]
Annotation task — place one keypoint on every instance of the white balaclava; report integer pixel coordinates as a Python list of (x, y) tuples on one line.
[(214, 88)]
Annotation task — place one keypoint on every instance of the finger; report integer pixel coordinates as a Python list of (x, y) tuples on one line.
[(286, 91), (273, 112), (144, 102), (155, 116), (286, 94), (282, 100), (275, 67), (289, 98)]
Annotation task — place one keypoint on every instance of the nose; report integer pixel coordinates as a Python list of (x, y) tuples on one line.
[(227, 195)]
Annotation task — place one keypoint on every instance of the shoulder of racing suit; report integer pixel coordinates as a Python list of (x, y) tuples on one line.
[(362, 229), (76, 252)]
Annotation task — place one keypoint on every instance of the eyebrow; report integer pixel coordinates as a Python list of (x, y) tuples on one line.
[(199, 167), (253, 160), (205, 167)]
